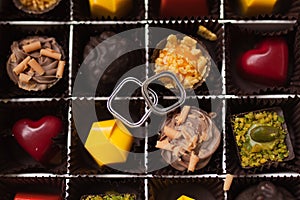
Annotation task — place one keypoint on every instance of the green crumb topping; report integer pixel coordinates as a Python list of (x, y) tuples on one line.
[(109, 197), (260, 137)]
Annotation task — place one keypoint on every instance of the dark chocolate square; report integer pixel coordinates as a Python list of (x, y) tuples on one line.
[(290, 109), (288, 142)]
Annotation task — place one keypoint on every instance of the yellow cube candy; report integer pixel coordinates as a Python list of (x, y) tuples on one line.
[(109, 142), (112, 8), (256, 7), (183, 197)]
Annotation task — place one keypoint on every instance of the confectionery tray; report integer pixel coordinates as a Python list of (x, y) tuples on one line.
[(227, 95)]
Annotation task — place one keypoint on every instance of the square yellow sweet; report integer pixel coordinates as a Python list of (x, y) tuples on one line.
[(112, 8), (183, 197), (109, 142), (256, 7)]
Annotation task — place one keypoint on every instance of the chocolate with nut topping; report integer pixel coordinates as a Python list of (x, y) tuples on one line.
[(186, 58), (32, 69), (36, 6), (189, 139), (109, 195)]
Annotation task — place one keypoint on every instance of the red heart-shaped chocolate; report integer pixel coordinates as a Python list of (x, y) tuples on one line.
[(267, 63), (36, 136)]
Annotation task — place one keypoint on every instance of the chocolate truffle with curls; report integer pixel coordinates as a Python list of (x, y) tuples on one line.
[(36, 63), (189, 139)]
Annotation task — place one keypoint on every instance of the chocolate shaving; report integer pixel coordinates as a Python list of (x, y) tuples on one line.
[(171, 133), (183, 115), (164, 144), (24, 78), (193, 162)]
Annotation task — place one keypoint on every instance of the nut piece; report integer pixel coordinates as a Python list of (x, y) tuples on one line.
[(38, 5), (227, 182), (207, 34)]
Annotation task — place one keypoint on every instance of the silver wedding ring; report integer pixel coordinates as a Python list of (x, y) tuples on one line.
[(150, 97)]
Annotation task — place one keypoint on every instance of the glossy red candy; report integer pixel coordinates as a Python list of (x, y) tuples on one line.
[(28, 196), (183, 8), (36, 136), (267, 63)]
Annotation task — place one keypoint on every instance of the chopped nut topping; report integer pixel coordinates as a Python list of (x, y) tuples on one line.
[(38, 4), (183, 59), (207, 34)]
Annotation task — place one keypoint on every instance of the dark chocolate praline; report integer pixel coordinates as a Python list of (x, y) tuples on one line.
[(265, 191), (99, 70)]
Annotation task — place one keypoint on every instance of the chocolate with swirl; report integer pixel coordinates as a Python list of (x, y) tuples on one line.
[(36, 63), (189, 139), (265, 191), (97, 57)]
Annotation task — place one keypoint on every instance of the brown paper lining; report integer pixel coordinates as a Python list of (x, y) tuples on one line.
[(158, 188), (284, 10), (235, 84), (240, 184), (214, 11), (85, 186), (81, 162), (215, 49), (9, 89), (16, 160), (290, 109)]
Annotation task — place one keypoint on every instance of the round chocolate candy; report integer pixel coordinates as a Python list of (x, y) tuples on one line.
[(36, 63)]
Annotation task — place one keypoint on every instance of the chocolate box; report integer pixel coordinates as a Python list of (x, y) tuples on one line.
[(81, 98)]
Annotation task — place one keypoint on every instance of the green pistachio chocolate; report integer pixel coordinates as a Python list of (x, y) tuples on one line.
[(263, 133), (260, 137), (110, 196)]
